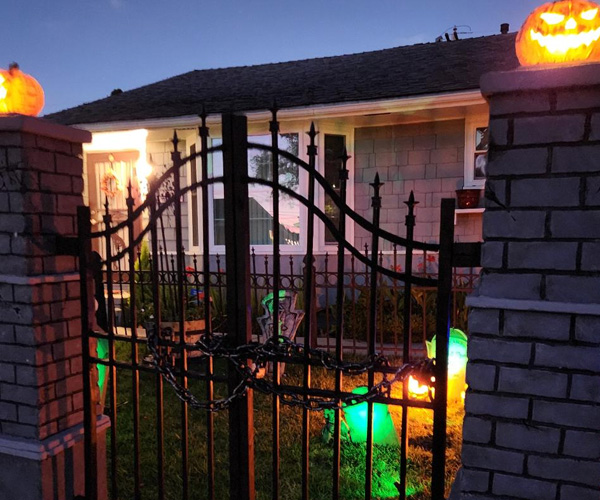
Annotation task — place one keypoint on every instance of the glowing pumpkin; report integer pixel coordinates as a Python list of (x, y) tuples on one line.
[(558, 32), (19, 92)]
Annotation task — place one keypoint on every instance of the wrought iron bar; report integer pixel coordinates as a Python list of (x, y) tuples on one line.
[(407, 340), (112, 372), (179, 277), (155, 284), (376, 204), (274, 129), (308, 305), (339, 333), (135, 375), (441, 348), (395, 286), (210, 419), (89, 404)]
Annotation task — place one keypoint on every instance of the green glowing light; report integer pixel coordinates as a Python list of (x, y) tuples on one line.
[(102, 351), (383, 426), (268, 300), (457, 363), (457, 351)]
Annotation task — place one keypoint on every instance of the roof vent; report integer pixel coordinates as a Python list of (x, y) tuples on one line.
[(504, 27)]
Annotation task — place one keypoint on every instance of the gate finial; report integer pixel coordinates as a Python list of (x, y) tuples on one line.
[(376, 199), (411, 203), (344, 168)]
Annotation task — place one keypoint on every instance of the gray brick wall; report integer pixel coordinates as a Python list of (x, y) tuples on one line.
[(533, 406), (427, 158), (40, 347)]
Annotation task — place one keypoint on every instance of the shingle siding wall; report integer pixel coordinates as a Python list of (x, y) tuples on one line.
[(427, 158), (532, 424)]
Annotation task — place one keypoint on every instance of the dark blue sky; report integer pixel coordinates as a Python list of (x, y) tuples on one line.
[(80, 50)]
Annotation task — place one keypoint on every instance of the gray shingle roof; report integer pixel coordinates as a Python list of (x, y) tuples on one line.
[(383, 74)]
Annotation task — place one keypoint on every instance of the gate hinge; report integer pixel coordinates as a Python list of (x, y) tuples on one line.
[(466, 255)]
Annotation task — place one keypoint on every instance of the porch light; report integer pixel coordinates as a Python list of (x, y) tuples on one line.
[(143, 170), (123, 141)]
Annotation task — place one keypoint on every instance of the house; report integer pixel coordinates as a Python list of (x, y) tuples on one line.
[(414, 114)]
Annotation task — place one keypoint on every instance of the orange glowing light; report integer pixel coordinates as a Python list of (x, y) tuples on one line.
[(560, 32), (19, 92), (417, 390)]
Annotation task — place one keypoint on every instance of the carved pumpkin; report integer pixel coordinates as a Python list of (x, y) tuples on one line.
[(558, 32), (19, 92)]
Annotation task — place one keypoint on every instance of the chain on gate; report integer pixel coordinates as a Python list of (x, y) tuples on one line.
[(283, 350)]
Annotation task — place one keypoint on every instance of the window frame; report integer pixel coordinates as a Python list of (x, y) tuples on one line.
[(347, 130), (303, 185), (320, 246), (472, 123)]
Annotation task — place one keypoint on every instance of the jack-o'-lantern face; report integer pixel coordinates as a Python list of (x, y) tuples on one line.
[(558, 32)]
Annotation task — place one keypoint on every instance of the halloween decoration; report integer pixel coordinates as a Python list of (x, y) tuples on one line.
[(421, 389), (457, 362), (19, 92), (559, 32), (289, 319), (356, 420), (110, 183)]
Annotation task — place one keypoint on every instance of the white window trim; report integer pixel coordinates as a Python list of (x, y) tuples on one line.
[(347, 130), (472, 122), (320, 247), (196, 249)]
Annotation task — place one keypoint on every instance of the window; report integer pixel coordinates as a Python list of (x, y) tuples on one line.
[(476, 147), (334, 149), (261, 197)]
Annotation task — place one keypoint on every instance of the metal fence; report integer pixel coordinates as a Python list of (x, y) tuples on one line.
[(355, 279), (160, 366)]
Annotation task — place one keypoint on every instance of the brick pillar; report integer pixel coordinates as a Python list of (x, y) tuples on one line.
[(41, 401), (532, 424)]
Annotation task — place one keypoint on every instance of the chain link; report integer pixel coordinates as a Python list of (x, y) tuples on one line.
[(252, 373)]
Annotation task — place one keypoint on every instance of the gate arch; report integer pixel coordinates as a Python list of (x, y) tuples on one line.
[(150, 284)]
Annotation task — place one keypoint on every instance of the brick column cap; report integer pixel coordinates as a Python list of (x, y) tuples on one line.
[(540, 78), (41, 127)]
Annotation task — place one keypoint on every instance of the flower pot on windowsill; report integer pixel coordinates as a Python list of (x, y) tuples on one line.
[(468, 198)]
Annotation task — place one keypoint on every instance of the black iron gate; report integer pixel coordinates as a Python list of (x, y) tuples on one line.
[(158, 320)]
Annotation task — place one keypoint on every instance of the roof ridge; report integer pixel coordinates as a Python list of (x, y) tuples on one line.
[(340, 56)]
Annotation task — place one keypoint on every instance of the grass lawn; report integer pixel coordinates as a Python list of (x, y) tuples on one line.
[(386, 458)]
